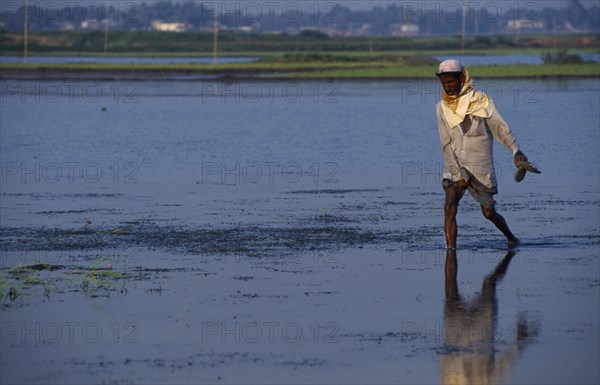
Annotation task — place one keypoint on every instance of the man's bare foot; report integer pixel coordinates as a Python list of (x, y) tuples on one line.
[(513, 242)]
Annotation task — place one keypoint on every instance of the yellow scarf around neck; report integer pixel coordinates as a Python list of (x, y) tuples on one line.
[(467, 102)]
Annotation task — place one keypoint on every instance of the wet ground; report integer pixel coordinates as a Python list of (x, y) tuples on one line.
[(179, 239)]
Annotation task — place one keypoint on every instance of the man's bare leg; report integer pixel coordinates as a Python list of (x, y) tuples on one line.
[(498, 220), (453, 195)]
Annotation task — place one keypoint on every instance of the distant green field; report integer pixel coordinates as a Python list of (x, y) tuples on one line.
[(312, 70), (231, 43)]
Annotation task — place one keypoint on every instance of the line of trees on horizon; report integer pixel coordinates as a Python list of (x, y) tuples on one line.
[(409, 18)]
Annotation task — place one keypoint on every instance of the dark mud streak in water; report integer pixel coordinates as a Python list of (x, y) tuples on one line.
[(252, 240), (325, 233), (202, 360), (332, 191), (52, 195)]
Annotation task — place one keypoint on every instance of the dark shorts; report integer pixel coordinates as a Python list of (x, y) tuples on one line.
[(480, 192)]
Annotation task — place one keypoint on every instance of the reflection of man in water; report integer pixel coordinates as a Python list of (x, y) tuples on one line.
[(469, 329), (468, 122)]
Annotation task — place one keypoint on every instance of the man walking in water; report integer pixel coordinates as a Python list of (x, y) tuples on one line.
[(468, 122)]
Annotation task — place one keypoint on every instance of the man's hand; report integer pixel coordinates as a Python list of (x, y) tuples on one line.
[(519, 157)]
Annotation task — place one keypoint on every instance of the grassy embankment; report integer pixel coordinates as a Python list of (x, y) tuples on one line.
[(334, 70), (310, 56)]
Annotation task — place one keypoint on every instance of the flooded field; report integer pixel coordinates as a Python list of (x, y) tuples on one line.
[(290, 232)]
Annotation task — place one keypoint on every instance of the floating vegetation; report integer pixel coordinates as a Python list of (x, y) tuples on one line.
[(98, 278), (43, 278)]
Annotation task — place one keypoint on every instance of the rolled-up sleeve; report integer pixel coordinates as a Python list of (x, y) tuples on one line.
[(451, 162), (502, 132)]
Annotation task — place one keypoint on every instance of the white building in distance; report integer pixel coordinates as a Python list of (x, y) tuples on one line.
[(158, 25)]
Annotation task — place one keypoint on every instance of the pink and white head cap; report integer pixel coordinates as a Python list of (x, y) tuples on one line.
[(450, 65)]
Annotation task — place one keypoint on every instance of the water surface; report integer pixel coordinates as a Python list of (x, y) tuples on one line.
[(288, 232)]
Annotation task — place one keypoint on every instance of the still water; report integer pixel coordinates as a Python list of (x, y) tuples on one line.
[(330, 194), (368, 129)]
